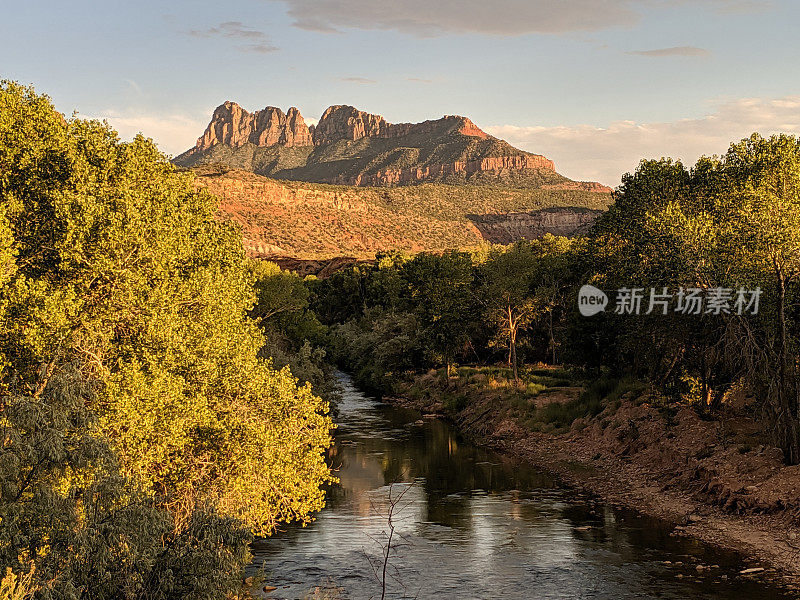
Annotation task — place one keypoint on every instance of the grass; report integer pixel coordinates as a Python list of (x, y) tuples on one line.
[(552, 414), (597, 395)]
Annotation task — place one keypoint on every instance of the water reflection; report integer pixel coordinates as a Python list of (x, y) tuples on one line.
[(472, 524)]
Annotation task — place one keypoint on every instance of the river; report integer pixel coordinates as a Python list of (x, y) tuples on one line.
[(471, 524)]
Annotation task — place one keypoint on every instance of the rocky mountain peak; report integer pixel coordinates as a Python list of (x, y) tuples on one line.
[(349, 146), (346, 123), (233, 126)]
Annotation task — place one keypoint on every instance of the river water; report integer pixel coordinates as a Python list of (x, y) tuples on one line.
[(469, 523)]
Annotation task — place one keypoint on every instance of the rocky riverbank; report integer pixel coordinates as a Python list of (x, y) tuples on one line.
[(711, 479)]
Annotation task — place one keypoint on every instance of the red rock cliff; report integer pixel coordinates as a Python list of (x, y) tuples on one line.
[(347, 123), (233, 126), (495, 165)]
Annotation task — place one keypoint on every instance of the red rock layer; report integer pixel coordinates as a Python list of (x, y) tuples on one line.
[(496, 165), (347, 123), (233, 126)]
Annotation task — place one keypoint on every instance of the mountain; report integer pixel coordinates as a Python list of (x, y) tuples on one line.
[(354, 184), (352, 147)]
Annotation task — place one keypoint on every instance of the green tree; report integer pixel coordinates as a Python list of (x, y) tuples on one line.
[(508, 279), (760, 235), (730, 222), (120, 266), (72, 527), (440, 288)]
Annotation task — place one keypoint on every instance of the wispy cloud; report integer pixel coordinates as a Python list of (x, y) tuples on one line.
[(257, 41), (419, 80), (363, 80), (425, 18), (133, 86), (605, 153), (686, 51), (743, 6)]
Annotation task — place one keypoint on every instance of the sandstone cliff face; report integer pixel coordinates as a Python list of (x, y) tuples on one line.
[(347, 123), (451, 149), (416, 175), (233, 126), (509, 227)]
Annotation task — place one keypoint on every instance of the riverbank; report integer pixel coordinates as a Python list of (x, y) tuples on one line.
[(715, 480)]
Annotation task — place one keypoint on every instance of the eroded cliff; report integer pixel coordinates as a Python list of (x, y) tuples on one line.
[(352, 147)]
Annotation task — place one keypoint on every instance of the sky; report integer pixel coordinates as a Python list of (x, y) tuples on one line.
[(595, 85)]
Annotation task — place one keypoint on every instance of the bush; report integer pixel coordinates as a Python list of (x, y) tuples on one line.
[(71, 525), (591, 402)]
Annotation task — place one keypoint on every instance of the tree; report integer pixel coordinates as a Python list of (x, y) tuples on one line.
[(71, 525), (111, 260), (509, 277), (731, 222), (439, 289), (761, 237), (508, 282)]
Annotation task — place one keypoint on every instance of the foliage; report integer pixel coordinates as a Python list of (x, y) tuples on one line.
[(521, 284), (71, 524), (16, 587), (111, 260), (731, 222), (727, 222), (440, 294), (294, 335)]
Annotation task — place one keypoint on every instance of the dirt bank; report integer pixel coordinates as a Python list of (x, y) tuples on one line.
[(705, 476)]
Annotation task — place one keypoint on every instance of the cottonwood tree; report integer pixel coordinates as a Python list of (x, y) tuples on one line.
[(730, 222), (761, 235), (440, 291), (509, 278), (111, 260)]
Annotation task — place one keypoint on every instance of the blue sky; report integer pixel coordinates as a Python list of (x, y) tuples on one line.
[(593, 84)]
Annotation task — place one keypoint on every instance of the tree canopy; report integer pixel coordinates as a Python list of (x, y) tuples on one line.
[(111, 261)]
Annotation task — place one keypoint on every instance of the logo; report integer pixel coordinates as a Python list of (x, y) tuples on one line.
[(685, 301), (591, 300)]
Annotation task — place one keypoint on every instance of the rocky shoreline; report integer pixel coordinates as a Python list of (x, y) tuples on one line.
[(735, 500)]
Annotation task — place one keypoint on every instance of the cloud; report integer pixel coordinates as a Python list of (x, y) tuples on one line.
[(259, 48), (257, 41), (743, 6), (133, 86), (419, 80), (692, 51), (362, 80), (425, 18), (174, 133), (589, 152), (501, 17)]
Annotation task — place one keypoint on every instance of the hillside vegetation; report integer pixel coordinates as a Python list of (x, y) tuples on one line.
[(321, 221), (346, 160)]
